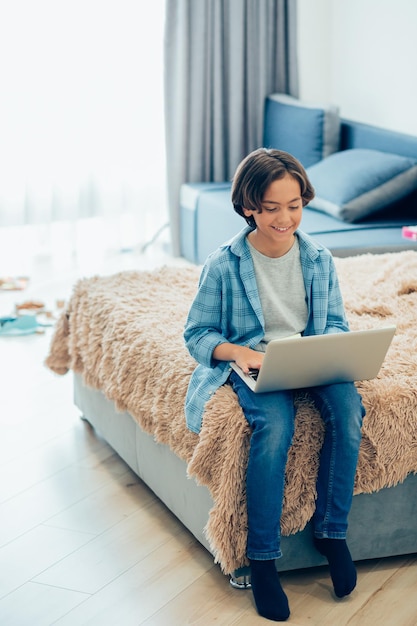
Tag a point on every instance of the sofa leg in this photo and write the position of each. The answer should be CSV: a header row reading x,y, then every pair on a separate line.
x,y
240,579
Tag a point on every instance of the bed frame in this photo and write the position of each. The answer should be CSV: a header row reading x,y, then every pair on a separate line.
x,y
166,475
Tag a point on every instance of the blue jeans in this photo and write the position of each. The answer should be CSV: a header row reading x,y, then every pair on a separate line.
x,y
271,418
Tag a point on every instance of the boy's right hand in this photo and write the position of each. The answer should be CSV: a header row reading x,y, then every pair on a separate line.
x,y
246,358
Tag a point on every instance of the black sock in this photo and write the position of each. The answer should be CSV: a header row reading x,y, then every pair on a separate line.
x,y
342,568
270,599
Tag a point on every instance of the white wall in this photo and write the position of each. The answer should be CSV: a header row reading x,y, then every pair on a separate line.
x,y
362,56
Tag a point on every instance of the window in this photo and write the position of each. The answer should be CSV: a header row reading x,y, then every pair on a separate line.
x,y
81,117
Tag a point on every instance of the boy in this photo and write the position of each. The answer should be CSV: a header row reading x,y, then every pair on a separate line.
x,y
271,280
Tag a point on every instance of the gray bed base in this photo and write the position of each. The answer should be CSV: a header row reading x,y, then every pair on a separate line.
x,y
381,524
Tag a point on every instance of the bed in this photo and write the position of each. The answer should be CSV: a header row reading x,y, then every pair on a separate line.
x,y
121,335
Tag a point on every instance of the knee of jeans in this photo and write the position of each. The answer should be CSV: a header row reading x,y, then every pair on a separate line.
x,y
276,436
349,428
356,402
358,412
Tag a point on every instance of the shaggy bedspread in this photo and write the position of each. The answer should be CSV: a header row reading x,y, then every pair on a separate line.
x,y
123,334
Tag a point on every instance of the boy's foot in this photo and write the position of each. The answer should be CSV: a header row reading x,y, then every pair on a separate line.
x,y
342,568
270,599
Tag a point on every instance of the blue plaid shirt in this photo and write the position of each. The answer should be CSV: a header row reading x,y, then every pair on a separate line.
x,y
227,308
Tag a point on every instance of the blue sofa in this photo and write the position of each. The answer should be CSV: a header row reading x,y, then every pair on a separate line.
x,y
365,180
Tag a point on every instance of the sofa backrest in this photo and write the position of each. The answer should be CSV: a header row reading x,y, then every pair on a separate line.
x,y
359,135
313,131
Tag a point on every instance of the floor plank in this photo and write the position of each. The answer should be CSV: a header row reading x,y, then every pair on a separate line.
x,y
113,552
141,591
37,605
35,551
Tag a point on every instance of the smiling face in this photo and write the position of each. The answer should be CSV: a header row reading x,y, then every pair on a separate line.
x,y
279,218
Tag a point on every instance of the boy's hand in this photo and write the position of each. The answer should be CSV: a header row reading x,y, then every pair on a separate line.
x,y
245,358
248,359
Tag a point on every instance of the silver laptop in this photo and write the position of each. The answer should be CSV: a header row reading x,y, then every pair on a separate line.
x,y
298,362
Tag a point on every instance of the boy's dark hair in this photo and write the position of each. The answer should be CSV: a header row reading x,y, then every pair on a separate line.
x,y
257,171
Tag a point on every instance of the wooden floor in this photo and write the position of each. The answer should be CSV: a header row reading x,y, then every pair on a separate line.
x,y
84,541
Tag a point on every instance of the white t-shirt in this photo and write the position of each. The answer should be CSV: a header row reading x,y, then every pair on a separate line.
x,y
282,293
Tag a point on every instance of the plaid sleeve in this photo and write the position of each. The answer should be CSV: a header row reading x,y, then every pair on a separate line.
x,y
202,332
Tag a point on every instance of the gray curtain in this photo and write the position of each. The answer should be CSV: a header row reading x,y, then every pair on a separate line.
x,y
222,58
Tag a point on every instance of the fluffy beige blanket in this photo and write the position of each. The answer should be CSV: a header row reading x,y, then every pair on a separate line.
x,y
123,334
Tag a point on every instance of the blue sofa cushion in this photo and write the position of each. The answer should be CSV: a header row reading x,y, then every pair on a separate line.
x,y
309,132
353,184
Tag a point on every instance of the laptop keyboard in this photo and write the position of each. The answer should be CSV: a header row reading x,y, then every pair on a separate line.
x,y
253,373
